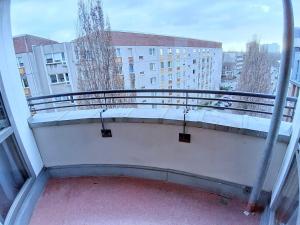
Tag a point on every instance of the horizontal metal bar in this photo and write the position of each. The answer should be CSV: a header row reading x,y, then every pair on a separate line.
x,y
158,97
166,104
232,93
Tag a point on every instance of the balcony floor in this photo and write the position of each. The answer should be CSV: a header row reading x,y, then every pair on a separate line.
x,y
129,201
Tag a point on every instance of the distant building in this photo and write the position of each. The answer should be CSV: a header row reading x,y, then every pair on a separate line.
x,y
273,48
232,64
295,76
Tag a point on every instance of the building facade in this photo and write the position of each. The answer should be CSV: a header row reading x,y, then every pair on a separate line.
x,y
163,62
295,76
145,62
232,64
26,61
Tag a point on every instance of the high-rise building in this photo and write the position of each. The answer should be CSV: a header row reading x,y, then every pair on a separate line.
x,y
272,48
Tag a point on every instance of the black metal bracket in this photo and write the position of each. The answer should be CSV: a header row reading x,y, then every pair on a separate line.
x,y
105,132
184,137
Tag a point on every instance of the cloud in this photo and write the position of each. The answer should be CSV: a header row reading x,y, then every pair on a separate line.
x,y
232,22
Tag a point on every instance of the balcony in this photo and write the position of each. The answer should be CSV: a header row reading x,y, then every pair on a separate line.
x,y
144,160
117,158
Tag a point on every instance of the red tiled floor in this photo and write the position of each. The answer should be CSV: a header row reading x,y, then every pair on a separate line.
x,y
130,201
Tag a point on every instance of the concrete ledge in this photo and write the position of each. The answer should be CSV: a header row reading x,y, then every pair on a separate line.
x,y
215,120
224,188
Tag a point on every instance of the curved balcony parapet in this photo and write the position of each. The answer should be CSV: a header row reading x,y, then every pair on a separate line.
x,y
208,119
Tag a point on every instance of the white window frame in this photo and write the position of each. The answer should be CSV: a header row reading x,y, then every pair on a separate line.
x,y
57,58
66,78
20,61
152,66
161,51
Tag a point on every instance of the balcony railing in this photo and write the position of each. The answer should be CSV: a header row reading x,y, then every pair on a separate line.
x,y
241,102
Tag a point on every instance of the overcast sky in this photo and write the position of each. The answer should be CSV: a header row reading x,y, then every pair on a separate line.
x,y
232,22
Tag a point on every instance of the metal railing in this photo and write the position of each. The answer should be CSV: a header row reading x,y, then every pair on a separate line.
x,y
242,102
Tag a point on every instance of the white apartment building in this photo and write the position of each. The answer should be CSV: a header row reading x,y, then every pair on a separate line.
x,y
145,61
163,62
45,66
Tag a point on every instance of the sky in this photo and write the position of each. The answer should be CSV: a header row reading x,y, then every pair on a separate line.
x,y
232,22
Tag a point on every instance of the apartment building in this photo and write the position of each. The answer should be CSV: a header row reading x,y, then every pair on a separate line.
x,y
56,66
295,76
232,64
145,62
271,48
162,62
45,66
26,61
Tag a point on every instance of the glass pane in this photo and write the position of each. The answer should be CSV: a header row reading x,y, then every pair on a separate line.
x,y
61,77
3,117
12,174
53,78
57,57
289,198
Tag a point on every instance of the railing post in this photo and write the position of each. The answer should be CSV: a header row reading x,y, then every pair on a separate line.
x,y
282,88
186,100
105,100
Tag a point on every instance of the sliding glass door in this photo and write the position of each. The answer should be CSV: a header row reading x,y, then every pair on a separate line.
x,y
13,172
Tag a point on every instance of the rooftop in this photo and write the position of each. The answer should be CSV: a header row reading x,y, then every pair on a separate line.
x,y
120,38
23,43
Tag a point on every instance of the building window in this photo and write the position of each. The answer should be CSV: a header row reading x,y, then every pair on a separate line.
x,y
53,78
67,77
118,52
119,68
169,51
153,80
25,82
161,51
177,50
169,64
141,57
130,52
131,70
20,62
142,73
170,76
151,51
55,57
194,71
132,81
49,58
59,78
194,61
152,66
162,65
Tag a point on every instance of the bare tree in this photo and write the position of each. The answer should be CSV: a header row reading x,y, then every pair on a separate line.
x,y
97,68
255,76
